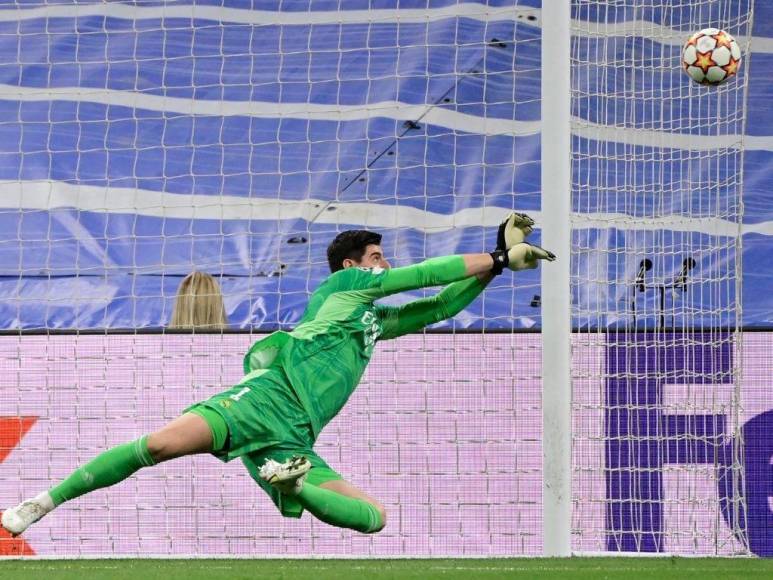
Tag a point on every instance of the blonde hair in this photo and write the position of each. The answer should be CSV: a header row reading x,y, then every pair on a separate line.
x,y
199,303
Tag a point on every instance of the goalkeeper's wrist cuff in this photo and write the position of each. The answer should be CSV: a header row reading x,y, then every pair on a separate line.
x,y
501,260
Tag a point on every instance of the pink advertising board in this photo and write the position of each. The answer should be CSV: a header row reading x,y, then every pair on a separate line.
x,y
444,429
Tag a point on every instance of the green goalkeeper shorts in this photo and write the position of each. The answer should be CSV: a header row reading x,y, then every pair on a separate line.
x,y
264,420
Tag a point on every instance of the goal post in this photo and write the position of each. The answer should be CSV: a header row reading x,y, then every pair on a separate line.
x,y
556,315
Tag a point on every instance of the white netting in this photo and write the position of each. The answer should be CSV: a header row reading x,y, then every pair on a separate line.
x,y
144,140
140,141
657,202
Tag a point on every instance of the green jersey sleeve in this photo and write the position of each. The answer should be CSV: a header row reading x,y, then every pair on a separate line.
x,y
365,285
415,315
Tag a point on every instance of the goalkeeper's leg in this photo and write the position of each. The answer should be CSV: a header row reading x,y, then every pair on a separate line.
x,y
323,494
186,435
341,504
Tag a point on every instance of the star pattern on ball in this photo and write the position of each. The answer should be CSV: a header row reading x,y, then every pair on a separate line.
x,y
693,41
704,61
731,67
723,39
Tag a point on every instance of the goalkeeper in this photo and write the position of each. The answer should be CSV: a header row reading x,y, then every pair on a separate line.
x,y
297,382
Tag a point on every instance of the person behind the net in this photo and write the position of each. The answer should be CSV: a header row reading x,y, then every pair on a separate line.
x,y
199,304
296,382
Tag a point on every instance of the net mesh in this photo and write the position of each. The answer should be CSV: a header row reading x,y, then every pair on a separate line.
x,y
455,457
141,141
657,203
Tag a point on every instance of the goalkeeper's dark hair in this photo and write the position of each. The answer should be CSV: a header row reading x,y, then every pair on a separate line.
x,y
350,244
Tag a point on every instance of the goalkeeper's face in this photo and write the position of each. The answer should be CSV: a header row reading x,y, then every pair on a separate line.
x,y
372,258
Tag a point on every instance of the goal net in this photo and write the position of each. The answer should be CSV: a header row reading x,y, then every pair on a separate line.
x,y
141,141
657,207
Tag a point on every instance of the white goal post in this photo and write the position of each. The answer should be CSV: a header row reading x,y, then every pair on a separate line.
x,y
556,316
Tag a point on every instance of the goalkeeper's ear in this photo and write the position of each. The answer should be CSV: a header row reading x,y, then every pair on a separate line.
x,y
514,230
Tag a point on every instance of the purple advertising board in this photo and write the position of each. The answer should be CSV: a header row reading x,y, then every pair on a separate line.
x,y
444,429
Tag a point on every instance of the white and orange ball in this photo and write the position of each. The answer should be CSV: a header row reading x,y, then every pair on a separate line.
x,y
711,56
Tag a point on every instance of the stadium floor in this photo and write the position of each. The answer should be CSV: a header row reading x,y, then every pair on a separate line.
x,y
590,568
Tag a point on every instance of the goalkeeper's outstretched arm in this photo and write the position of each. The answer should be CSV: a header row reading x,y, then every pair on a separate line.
x,y
415,315
511,251
426,274
442,271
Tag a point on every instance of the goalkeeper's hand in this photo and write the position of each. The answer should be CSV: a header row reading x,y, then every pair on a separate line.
x,y
514,230
526,257
512,251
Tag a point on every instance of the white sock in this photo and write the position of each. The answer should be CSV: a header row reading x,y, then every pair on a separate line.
x,y
44,499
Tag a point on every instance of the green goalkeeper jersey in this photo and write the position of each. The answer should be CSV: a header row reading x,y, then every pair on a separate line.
x,y
326,355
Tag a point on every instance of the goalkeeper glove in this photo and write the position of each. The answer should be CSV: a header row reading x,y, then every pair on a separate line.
x,y
514,230
520,257
526,257
512,252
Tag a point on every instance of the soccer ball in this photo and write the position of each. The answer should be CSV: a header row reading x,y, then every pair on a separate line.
x,y
711,56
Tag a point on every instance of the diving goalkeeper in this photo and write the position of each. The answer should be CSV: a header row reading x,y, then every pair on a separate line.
x,y
296,382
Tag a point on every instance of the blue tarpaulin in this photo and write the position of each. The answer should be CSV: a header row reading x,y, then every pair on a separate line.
x,y
138,146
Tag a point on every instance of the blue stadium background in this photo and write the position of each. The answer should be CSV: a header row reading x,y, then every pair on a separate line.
x,y
70,265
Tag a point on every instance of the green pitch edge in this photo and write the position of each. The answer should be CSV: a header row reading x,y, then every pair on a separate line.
x,y
467,569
